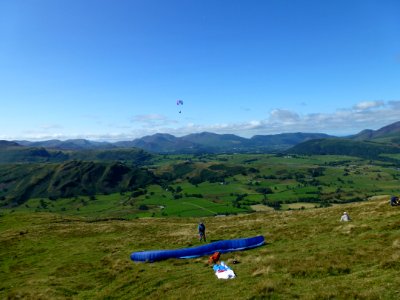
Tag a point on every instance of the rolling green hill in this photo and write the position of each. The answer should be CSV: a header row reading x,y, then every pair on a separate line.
x,y
21,154
309,254
19,182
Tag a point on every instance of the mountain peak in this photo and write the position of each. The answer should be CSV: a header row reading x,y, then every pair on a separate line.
x,y
368,134
389,129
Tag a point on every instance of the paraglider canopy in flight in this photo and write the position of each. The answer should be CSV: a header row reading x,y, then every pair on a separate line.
x,y
179,102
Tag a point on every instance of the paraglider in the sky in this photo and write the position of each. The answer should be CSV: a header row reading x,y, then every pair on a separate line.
x,y
179,102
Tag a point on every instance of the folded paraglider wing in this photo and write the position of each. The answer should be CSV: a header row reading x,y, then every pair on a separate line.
x,y
223,246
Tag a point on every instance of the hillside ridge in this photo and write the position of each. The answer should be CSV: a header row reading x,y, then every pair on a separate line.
x,y
309,254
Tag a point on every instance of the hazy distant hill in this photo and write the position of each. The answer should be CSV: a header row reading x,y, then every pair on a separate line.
x,y
7,144
73,144
284,140
204,142
167,143
207,142
367,144
386,134
160,143
218,142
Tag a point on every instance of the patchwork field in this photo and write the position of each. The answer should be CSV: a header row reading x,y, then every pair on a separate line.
x,y
209,185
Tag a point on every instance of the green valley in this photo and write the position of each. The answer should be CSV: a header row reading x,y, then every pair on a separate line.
x,y
190,185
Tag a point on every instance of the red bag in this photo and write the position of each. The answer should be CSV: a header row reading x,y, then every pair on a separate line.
x,y
214,258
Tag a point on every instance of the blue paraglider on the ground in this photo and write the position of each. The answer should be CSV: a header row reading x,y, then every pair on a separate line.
x,y
223,246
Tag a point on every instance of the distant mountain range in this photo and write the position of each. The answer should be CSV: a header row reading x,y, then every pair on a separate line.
x,y
74,144
207,142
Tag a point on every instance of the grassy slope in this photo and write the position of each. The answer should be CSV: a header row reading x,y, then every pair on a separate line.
x,y
309,255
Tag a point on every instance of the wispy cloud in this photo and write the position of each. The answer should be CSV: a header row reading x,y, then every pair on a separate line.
x,y
368,105
363,115
48,127
283,116
345,121
152,120
43,131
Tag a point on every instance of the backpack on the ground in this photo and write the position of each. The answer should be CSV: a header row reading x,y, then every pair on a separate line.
x,y
214,258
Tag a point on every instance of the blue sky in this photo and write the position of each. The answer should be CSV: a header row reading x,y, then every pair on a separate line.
x,y
113,70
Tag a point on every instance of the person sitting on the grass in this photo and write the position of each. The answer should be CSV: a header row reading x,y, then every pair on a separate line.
x,y
345,217
394,201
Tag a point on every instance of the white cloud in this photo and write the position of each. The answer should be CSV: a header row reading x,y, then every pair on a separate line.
x,y
284,116
365,105
50,127
152,120
364,115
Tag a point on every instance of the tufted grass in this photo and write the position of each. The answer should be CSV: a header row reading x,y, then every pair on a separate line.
x,y
309,255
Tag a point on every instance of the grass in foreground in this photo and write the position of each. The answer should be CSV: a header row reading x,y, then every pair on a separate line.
x,y
309,255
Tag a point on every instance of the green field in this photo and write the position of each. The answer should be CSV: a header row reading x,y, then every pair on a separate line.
x,y
209,185
309,254
78,247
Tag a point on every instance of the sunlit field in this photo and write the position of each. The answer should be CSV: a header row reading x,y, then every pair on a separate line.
x,y
213,185
309,254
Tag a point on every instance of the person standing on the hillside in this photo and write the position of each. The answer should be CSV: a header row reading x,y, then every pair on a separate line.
x,y
345,217
202,231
